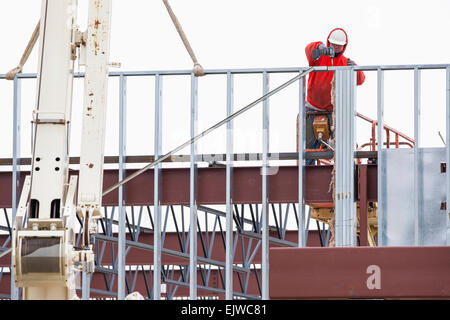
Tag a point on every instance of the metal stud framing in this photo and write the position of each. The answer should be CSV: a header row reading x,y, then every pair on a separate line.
x,y
417,182
122,213
157,190
244,271
265,190
345,208
229,196
301,146
381,174
193,193
16,167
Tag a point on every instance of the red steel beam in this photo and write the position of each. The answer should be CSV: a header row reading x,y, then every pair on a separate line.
x,y
363,206
377,272
283,186
335,273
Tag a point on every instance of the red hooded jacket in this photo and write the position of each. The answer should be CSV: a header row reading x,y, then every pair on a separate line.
x,y
319,83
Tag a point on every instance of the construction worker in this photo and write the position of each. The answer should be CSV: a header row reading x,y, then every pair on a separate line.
x,y
319,83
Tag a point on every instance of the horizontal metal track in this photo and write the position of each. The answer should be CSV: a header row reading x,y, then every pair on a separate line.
x,y
105,270
170,252
5,296
207,157
223,214
103,292
4,228
4,252
217,290
200,208
253,70
134,226
254,235
173,282
167,281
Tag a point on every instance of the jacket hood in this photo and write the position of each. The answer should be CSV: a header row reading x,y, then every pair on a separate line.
x,y
346,37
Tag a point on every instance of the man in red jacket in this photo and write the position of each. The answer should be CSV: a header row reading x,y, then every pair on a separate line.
x,y
319,83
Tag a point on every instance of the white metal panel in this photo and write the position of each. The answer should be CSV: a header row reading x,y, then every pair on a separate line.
x,y
401,224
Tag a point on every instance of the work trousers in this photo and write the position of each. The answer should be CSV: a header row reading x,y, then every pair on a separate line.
x,y
311,141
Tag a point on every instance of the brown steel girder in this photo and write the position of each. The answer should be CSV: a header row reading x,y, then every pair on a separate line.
x,y
360,273
283,186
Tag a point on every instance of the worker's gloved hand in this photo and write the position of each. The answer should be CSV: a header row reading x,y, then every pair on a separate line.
x,y
322,50
351,62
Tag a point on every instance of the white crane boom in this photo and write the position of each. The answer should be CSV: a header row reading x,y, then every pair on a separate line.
x,y
45,260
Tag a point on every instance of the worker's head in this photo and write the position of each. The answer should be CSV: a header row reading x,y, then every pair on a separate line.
x,y
338,39
337,47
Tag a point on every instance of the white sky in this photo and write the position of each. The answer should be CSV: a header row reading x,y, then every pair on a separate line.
x,y
245,34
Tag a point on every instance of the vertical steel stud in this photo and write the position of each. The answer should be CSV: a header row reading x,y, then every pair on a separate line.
x,y
15,168
229,194
122,209
381,172
193,193
157,191
417,182
302,233
265,194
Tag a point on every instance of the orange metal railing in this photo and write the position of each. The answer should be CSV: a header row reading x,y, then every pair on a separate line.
x,y
409,141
